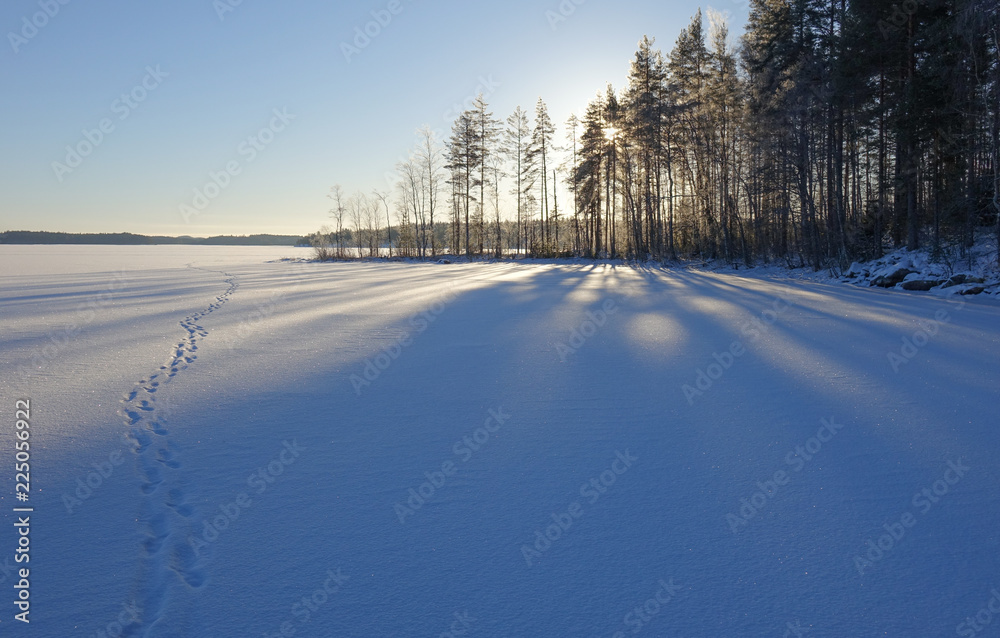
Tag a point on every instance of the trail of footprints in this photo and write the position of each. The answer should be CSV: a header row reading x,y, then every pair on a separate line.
x,y
166,513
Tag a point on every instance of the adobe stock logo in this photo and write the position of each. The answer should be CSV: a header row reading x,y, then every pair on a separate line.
x,y
123,106
768,488
222,7
914,343
753,331
975,624
30,27
249,150
587,329
566,8
644,613
363,35
463,449
898,527
563,519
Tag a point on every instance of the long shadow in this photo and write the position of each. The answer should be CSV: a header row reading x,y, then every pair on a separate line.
x,y
495,346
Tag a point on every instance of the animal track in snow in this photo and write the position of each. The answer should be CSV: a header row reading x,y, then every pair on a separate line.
x,y
166,511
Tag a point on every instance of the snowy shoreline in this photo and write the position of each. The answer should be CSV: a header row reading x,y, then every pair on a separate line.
x,y
977,274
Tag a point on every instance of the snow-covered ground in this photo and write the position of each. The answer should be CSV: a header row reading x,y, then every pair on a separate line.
x,y
975,274
952,273
227,445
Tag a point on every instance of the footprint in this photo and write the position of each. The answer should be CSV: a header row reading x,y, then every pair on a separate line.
x,y
160,532
166,457
195,579
153,544
175,501
157,428
149,488
151,477
141,440
185,563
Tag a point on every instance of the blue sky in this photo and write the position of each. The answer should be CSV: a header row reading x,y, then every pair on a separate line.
x,y
156,97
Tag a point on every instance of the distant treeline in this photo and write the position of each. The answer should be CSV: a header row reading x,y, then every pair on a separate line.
x,y
130,239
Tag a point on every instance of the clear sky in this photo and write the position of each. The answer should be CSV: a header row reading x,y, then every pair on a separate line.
x,y
155,97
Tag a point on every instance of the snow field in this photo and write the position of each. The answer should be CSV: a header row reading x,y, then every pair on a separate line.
x,y
504,389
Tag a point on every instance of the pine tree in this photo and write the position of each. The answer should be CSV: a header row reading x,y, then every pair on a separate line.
x,y
572,126
517,139
587,182
722,91
689,67
541,146
486,137
645,104
464,160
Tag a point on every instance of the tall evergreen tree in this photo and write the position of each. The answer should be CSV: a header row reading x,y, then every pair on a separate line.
x,y
464,160
645,104
517,143
572,132
587,176
541,146
486,137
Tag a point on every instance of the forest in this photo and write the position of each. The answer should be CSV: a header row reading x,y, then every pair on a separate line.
x,y
831,131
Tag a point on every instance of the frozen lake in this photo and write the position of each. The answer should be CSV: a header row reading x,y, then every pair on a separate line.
x,y
222,446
